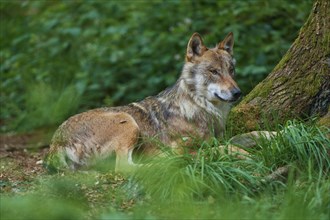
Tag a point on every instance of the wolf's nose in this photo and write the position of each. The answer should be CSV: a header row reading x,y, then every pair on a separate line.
x,y
236,93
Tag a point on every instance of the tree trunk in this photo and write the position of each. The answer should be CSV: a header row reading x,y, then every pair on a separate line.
x,y
299,86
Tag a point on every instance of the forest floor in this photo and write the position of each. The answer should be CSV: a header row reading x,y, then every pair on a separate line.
x,y
22,174
19,163
103,194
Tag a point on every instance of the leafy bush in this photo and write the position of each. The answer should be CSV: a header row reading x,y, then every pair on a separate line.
x,y
114,53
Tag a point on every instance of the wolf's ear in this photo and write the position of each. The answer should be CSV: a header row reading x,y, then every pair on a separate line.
x,y
227,44
195,47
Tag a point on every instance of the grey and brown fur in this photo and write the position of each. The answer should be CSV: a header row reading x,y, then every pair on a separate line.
x,y
196,105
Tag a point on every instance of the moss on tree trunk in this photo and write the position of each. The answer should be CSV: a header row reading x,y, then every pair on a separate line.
x,y
299,86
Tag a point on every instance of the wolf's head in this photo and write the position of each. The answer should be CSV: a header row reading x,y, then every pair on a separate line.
x,y
209,72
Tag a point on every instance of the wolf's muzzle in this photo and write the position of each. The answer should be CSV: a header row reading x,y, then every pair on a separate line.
x,y
236,93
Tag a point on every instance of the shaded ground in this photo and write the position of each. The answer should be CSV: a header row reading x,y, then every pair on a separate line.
x,y
21,165
20,161
25,186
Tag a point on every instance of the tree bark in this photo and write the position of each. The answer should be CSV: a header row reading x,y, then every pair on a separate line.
x,y
299,86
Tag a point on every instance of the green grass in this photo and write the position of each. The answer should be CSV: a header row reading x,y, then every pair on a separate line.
x,y
182,177
206,185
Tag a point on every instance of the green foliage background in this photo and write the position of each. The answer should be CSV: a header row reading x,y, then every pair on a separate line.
x,y
63,57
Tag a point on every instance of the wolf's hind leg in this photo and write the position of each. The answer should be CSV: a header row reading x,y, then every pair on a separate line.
x,y
125,137
122,161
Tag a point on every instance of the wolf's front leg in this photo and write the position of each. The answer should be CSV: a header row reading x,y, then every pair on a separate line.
x,y
251,139
246,140
124,161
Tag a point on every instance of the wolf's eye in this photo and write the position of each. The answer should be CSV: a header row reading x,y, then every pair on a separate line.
x,y
214,72
232,70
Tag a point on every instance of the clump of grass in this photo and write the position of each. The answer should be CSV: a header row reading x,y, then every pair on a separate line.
x,y
213,172
307,146
208,172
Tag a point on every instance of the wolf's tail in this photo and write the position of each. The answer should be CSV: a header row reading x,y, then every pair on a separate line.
x,y
56,160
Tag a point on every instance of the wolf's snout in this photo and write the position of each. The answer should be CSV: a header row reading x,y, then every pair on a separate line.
x,y
236,93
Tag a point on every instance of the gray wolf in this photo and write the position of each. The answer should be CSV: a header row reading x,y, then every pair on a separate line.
x,y
197,105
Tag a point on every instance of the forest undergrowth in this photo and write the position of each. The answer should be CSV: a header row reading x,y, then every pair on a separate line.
x,y
207,184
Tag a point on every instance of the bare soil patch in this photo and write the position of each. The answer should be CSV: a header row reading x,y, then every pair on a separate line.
x,y
20,161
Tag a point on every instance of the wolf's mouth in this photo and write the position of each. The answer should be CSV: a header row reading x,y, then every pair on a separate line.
x,y
229,101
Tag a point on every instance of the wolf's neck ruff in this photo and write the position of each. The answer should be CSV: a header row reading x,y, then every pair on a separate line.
x,y
185,96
